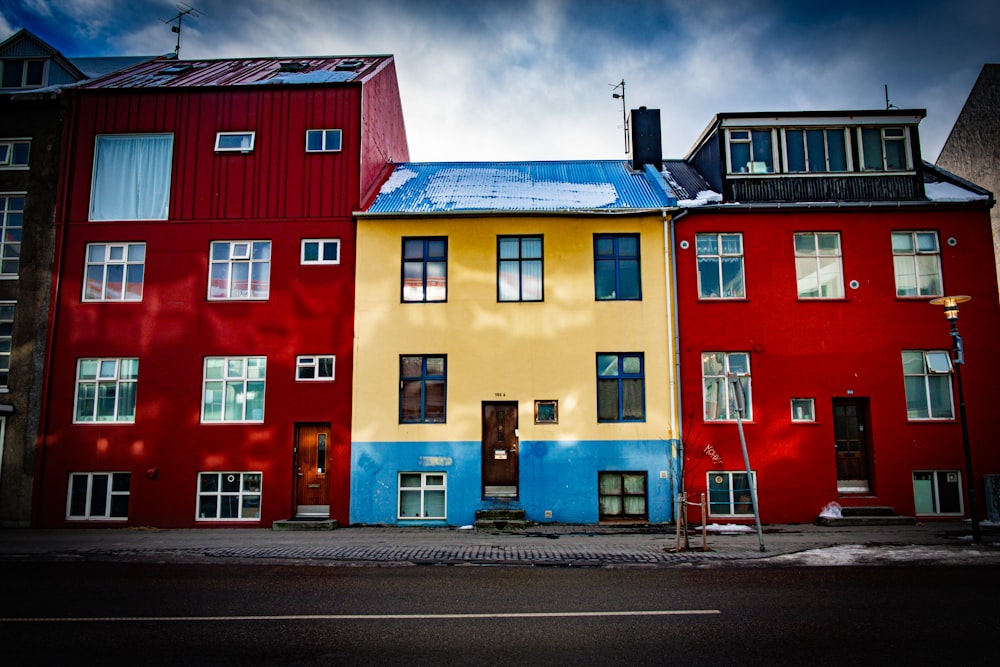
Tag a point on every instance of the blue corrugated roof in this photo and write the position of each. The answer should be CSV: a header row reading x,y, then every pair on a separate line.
x,y
581,185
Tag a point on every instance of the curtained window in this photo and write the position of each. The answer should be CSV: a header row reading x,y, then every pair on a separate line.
x,y
131,177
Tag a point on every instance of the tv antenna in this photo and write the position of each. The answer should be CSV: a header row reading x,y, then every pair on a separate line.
x,y
182,11
887,105
621,96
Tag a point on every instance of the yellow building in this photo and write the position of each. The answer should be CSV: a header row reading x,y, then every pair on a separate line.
x,y
514,345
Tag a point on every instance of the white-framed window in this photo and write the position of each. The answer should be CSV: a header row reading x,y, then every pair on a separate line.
x,y
234,142
751,151
816,150
320,251
323,141
229,496
423,495
11,224
233,389
239,270
114,271
720,266
803,409
719,393
927,381
6,341
315,367
729,493
105,390
14,153
885,149
131,177
916,261
24,72
101,496
937,492
819,270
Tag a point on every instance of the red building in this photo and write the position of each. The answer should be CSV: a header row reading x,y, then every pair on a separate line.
x,y
805,268
202,314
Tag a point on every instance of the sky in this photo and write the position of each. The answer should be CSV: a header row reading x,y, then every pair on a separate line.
x,y
509,80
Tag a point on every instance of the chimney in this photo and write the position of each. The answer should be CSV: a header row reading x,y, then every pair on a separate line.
x,y
647,148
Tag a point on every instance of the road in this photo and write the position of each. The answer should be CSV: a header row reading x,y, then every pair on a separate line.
x,y
287,614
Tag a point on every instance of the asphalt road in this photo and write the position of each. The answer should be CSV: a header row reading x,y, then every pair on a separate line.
x,y
85,613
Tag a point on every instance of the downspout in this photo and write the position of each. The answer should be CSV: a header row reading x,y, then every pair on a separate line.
x,y
674,324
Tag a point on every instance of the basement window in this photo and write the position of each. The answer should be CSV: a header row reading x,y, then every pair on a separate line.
x,y
234,142
423,495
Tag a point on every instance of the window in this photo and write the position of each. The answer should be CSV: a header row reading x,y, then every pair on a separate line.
x,y
720,266
616,267
721,395
620,387
113,272
98,495
622,495
11,220
316,367
425,269
320,251
234,389
14,153
239,270
323,141
546,412
6,342
818,269
131,177
803,410
229,496
816,150
234,142
422,495
927,380
519,268
105,390
937,492
916,260
884,149
422,389
751,152
729,494
22,73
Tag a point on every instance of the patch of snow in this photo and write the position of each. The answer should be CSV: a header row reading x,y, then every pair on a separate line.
x,y
950,192
832,511
508,189
397,179
466,527
856,554
315,76
728,529
702,198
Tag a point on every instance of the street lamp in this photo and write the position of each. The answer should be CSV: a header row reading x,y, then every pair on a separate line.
x,y
950,304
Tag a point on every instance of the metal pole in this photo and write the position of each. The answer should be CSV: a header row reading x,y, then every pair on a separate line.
x,y
959,359
740,404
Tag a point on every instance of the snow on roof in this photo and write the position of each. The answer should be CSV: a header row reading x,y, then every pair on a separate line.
x,y
949,192
516,186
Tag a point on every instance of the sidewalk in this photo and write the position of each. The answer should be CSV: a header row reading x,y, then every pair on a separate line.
x,y
540,545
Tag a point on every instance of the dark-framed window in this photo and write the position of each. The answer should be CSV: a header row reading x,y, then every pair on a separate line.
x,y
519,268
423,381
621,387
616,267
425,270
622,495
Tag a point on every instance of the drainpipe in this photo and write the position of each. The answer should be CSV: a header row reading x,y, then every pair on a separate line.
x,y
673,323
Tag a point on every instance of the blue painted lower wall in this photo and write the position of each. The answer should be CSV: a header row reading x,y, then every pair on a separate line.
x,y
555,476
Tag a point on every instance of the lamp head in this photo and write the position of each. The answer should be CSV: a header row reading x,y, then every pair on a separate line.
x,y
950,304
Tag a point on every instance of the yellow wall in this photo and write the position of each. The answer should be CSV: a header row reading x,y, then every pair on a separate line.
x,y
509,351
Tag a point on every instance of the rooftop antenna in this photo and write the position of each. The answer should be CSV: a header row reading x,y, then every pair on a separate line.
x,y
887,105
621,96
182,11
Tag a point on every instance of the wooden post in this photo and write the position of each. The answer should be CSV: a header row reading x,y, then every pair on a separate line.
x,y
704,524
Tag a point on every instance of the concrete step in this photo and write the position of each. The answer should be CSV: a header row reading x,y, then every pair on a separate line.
x,y
874,510
304,524
500,519
896,520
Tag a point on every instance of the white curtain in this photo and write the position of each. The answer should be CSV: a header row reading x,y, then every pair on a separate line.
x,y
131,177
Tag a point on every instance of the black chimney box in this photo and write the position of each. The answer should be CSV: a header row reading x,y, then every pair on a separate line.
x,y
647,148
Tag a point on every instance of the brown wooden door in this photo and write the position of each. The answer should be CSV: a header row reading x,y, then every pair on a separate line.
x,y
312,490
500,470
850,428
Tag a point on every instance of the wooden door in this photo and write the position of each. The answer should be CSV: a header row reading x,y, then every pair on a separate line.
x,y
312,460
500,469
850,428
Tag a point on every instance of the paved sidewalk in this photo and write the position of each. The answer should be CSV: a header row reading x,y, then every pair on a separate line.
x,y
539,545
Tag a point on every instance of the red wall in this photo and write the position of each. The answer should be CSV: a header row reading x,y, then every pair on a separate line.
x,y
278,193
841,348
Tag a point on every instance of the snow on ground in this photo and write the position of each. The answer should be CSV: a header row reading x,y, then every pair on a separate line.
x,y
859,554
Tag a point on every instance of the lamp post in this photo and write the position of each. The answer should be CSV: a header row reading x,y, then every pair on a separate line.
x,y
950,304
